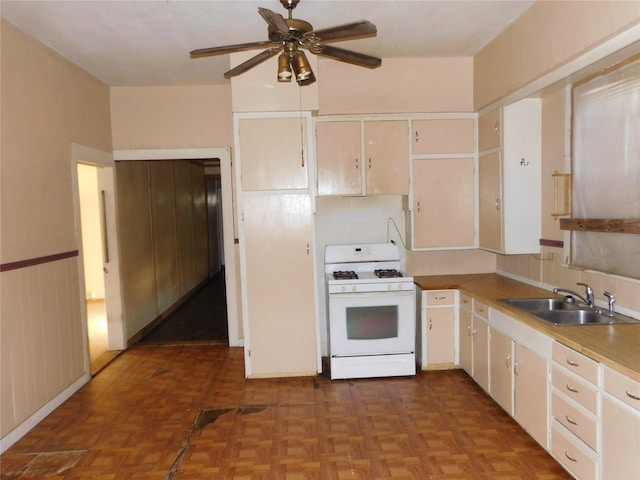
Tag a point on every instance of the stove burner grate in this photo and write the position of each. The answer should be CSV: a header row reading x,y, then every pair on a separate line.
x,y
345,275
387,273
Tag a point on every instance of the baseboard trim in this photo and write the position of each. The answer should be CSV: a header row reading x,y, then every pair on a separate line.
x,y
21,430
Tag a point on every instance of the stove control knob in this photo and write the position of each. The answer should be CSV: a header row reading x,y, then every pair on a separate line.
x,y
344,289
354,288
389,287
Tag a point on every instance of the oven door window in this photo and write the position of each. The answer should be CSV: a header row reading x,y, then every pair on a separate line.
x,y
372,323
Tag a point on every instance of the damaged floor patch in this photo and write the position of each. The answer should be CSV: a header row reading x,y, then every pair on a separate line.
x,y
47,464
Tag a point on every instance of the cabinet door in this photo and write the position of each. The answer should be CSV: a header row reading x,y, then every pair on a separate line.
x,y
620,440
387,156
489,130
481,353
273,153
281,314
490,201
440,335
339,158
466,332
531,393
443,202
442,136
501,366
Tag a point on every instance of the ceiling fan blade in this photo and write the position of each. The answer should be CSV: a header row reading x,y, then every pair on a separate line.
x,y
253,61
348,31
275,20
348,56
240,47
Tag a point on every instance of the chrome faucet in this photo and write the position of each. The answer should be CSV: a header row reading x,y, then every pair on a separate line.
x,y
572,293
612,303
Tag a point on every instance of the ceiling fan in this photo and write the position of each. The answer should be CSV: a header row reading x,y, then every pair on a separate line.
x,y
288,38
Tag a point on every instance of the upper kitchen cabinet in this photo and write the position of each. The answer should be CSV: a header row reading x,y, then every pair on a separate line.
x,y
362,157
273,153
441,213
510,178
438,136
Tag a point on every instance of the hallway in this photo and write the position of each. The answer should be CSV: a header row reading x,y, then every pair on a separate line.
x,y
187,412
200,319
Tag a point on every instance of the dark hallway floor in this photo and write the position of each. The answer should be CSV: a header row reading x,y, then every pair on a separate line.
x,y
202,318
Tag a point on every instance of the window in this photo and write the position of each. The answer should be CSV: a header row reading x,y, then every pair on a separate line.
x,y
606,171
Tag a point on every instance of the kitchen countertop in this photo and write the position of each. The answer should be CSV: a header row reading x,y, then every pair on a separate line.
x,y
617,346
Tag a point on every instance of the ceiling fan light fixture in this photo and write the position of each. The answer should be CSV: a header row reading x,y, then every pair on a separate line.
x,y
284,68
301,67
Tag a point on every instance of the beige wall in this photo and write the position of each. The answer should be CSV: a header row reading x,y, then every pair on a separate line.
x,y
400,85
546,36
47,103
171,117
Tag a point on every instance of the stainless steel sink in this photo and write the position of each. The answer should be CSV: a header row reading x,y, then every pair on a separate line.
x,y
532,304
574,317
560,312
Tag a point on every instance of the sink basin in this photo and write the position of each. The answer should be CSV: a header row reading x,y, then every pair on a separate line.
x,y
574,317
534,304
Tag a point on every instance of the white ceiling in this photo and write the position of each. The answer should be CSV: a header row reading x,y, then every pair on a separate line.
x,y
147,42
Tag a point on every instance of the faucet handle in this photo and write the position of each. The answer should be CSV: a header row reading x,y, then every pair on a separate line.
x,y
589,290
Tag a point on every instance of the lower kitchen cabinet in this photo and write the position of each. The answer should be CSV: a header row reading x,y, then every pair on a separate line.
x,y
466,334
480,348
620,426
280,316
501,369
531,404
437,329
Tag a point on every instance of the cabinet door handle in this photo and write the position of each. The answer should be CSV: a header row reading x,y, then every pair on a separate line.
x,y
566,454
356,163
496,128
417,137
570,420
515,368
507,361
497,204
572,363
572,389
631,395
419,207
430,324
369,163
308,249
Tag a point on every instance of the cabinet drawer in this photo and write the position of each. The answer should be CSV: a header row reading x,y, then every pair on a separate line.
x,y
575,362
579,390
480,308
622,387
581,425
441,297
465,301
573,457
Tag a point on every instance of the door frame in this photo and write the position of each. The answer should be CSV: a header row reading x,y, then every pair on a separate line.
x,y
81,154
224,155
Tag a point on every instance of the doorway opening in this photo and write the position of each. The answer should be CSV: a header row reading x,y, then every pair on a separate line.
x,y
103,324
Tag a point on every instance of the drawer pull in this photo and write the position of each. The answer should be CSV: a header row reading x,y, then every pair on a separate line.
x,y
631,395
570,420
566,454
572,363
441,298
571,389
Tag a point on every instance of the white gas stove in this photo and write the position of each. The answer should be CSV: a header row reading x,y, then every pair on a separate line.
x,y
372,311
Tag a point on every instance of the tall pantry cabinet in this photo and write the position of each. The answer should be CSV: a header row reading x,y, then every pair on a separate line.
x,y
276,244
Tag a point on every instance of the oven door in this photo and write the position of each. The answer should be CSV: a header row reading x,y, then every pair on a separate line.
x,y
373,323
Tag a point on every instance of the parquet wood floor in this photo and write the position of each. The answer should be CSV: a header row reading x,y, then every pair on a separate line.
x,y
187,412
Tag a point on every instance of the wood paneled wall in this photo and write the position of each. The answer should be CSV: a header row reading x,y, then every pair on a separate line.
x,y
163,236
